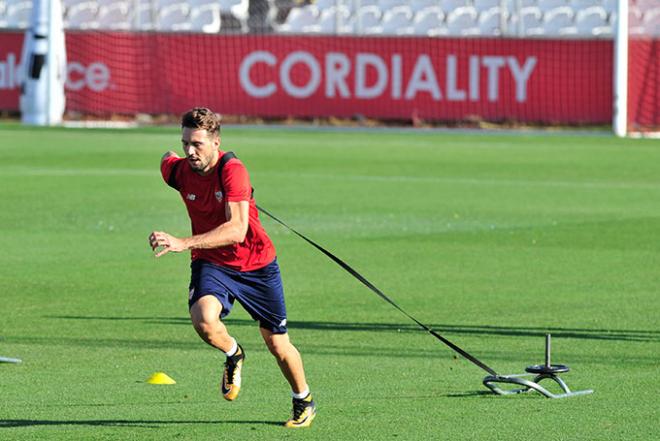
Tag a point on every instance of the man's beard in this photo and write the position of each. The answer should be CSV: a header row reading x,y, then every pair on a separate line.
x,y
198,165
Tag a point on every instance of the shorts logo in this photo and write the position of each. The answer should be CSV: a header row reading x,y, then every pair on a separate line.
x,y
191,197
191,293
218,195
283,323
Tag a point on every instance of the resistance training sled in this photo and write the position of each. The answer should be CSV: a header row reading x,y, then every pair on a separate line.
x,y
539,372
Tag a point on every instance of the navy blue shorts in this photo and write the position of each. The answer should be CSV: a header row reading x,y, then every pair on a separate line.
x,y
259,292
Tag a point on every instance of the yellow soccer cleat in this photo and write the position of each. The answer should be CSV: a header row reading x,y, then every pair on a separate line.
x,y
304,411
231,378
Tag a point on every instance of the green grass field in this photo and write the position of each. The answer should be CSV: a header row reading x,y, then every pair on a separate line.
x,y
491,239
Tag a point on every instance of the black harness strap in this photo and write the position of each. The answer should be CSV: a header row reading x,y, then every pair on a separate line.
x,y
171,181
225,159
221,165
230,155
382,295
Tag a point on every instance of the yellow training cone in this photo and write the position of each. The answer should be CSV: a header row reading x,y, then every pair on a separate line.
x,y
160,378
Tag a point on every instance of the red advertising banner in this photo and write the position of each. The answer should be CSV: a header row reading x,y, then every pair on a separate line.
x,y
643,84
11,45
527,80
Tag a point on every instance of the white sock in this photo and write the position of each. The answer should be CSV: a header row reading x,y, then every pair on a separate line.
x,y
233,349
301,395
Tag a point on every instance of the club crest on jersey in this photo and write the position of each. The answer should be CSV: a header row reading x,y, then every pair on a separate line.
x,y
191,197
218,195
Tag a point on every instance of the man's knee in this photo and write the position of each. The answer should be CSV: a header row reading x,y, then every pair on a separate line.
x,y
279,345
205,316
204,329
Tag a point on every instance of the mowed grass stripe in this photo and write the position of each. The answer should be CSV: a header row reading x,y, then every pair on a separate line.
x,y
19,171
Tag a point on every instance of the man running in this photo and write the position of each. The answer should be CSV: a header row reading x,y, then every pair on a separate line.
x,y
232,257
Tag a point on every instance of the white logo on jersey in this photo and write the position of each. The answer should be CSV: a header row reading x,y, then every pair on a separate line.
x,y
191,197
218,195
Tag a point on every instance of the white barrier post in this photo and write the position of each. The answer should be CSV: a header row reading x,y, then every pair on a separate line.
x,y
620,119
43,66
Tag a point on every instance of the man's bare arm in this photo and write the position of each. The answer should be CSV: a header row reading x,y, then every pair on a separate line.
x,y
230,233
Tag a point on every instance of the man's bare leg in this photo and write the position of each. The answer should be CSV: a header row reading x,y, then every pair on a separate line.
x,y
288,358
291,365
205,316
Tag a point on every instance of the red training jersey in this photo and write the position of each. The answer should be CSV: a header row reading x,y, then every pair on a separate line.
x,y
205,202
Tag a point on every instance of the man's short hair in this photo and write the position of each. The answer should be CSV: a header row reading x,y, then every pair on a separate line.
x,y
202,118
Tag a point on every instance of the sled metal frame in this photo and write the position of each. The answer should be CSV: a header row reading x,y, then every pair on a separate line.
x,y
540,373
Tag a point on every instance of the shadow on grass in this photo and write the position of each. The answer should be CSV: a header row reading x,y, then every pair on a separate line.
x,y
480,393
123,423
479,330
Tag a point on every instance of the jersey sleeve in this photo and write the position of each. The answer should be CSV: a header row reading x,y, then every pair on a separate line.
x,y
166,167
236,182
